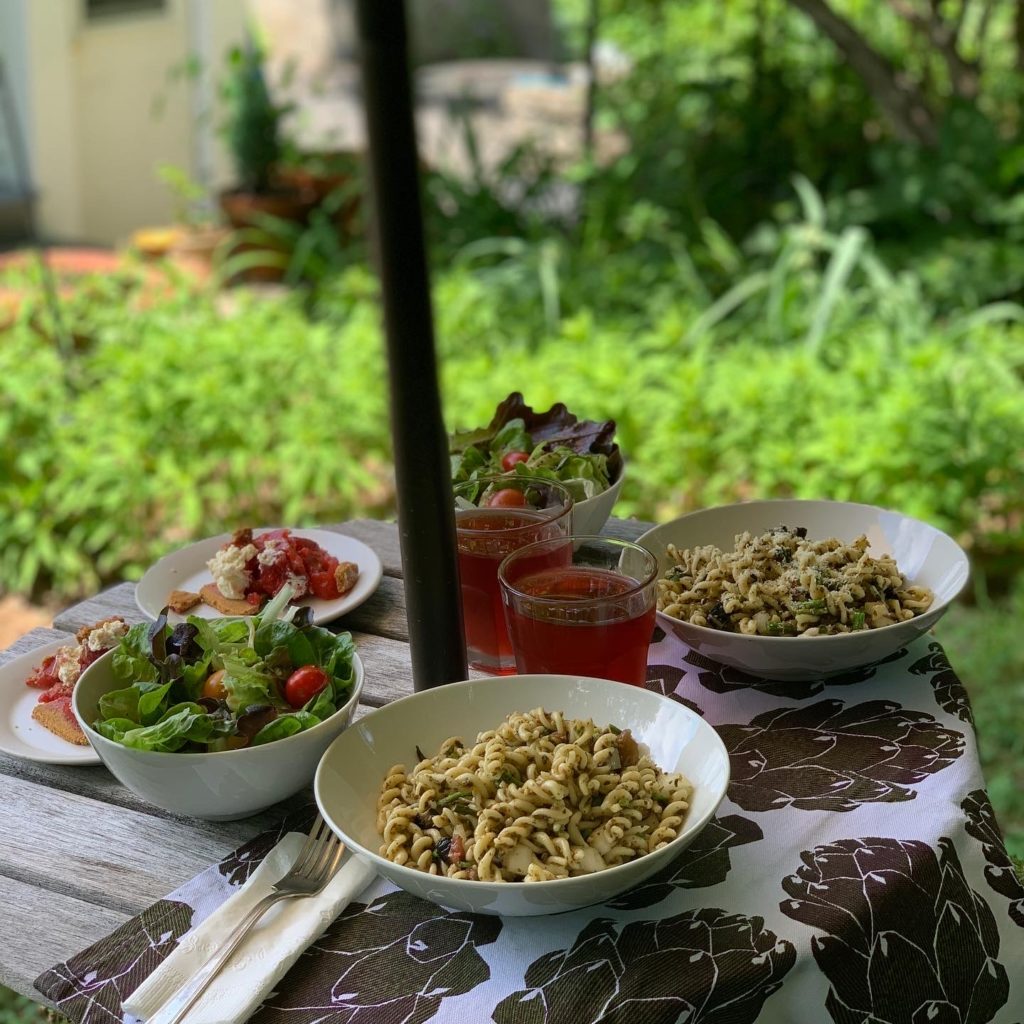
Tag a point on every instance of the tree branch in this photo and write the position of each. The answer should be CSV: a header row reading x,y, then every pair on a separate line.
x,y
903,104
1018,33
590,100
983,23
942,37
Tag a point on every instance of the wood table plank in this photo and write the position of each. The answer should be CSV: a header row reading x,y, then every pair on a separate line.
x,y
30,641
97,853
40,928
382,613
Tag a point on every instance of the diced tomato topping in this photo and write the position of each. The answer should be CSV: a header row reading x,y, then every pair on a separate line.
x,y
45,676
323,584
55,692
300,557
457,851
86,656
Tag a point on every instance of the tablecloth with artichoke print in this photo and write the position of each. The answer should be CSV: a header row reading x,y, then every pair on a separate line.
x,y
854,874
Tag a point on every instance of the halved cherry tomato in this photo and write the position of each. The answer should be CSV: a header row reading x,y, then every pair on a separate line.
x,y
512,459
214,686
304,684
508,497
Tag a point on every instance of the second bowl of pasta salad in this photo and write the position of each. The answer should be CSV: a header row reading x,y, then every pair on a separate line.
x,y
802,589
523,796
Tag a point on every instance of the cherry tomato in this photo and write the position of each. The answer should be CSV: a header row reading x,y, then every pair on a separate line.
x,y
304,684
511,459
214,686
508,497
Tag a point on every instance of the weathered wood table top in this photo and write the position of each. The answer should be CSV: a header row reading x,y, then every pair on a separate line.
x,y
80,854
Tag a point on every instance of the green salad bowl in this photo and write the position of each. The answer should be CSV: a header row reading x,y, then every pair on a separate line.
x,y
217,786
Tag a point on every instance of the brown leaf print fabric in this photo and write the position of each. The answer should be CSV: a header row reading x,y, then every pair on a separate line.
x,y
872,930
90,987
907,941
949,691
702,967
391,962
705,862
831,757
1000,873
241,863
664,679
724,679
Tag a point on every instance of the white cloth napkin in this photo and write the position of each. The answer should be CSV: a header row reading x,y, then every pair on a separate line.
x,y
270,948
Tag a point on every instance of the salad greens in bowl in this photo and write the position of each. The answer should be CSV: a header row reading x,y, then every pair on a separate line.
x,y
219,718
556,445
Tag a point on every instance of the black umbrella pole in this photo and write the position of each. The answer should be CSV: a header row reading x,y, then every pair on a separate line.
x,y
426,521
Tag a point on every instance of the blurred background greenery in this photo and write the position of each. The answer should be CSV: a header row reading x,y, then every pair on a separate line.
x,y
800,276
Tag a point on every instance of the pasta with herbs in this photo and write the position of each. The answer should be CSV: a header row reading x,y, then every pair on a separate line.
x,y
540,797
782,584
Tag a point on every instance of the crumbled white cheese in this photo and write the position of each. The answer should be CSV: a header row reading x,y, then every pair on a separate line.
x,y
107,635
300,583
68,668
228,570
272,553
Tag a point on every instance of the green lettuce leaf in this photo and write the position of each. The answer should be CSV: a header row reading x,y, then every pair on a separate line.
x,y
132,656
247,684
285,725
184,723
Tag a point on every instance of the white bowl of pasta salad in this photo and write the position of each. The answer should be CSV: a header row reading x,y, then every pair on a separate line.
x,y
523,795
802,589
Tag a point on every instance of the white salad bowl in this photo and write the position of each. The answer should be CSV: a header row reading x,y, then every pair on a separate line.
x,y
350,775
589,516
217,786
925,555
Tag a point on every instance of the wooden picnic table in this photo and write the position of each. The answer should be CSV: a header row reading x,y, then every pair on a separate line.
x,y
80,854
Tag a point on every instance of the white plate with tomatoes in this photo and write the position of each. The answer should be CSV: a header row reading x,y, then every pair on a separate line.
x,y
20,734
186,570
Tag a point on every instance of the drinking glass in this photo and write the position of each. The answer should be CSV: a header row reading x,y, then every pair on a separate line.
x,y
494,516
591,614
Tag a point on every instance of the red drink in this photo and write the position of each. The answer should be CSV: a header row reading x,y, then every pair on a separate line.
x,y
584,618
485,537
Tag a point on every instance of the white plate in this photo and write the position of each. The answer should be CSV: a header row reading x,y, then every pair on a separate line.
x,y
185,569
19,734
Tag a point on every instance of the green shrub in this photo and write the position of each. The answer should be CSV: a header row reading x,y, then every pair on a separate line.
x,y
174,420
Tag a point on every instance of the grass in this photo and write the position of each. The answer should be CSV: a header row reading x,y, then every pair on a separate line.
x,y
985,645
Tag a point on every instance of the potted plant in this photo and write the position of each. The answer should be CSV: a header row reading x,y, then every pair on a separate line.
x,y
333,179
253,133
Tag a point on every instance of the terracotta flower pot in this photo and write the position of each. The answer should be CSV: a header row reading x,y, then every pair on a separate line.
x,y
244,212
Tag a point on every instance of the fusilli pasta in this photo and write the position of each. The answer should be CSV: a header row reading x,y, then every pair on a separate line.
x,y
541,797
782,584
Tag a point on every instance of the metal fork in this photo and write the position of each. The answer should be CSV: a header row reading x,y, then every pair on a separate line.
x,y
313,869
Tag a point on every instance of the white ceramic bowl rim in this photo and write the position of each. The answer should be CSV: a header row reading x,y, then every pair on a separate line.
x,y
803,640
176,755
693,824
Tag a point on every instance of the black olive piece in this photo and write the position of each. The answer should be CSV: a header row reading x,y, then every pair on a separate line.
x,y
442,846
801,532
717,617
303,617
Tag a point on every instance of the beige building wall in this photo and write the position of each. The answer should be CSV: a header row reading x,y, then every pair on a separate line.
x,y
107,109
